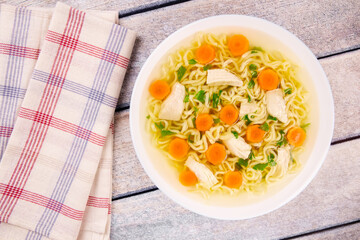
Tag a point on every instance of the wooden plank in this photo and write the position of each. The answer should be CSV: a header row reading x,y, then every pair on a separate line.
x,y
124,6
332,198
345,232
325,26
343,73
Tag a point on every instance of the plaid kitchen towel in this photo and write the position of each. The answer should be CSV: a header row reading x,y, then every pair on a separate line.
x,y
51,156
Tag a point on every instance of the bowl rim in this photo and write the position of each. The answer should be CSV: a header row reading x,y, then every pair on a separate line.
x,y
257,209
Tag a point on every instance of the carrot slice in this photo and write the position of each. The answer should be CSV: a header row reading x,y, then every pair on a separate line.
x,y
238,45
233,179
268,79
216,153
188,178
178,148
296,136
205,54
204,122
159,89
229,114
254,134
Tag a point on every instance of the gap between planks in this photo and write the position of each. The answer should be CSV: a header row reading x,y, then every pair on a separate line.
x,y
322,230
149,7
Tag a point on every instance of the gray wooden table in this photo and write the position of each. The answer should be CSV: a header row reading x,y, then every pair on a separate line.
x,y
329,208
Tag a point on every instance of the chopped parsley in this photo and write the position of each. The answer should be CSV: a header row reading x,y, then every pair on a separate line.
x,y
192,61
247,119
242,162
271,160
258,49
190,138
216,99
272,118
249,98
200,96
304,126
260,166
195,109
216,120
163,131
186,99
253,51
254,74
236,135
207,67
251,155
252,67
282,140
148,116
251,84
180,72
193,121
288,91
265,127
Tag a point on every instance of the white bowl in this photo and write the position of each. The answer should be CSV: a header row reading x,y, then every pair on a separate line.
x,y
270,37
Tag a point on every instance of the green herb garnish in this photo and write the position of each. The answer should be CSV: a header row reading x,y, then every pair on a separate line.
x,y
236,135
265,127
180,72
258,49
148,116
162,130
251,155
252,67
242,162
207,67
216,120
247,120
159,126
166,133
288,91
271,160
200,96
186,99
195,109
260,166
304,126
192,61
251,84
254,74
193,121
215,99
253,51
190,138
272,118
249,98
282,140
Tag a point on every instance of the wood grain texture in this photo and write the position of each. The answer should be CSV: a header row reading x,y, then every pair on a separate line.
x,y
123,6
346,232
326,26
332,198
343,72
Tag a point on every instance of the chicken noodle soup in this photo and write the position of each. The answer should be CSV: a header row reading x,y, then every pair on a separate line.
x,y
230,116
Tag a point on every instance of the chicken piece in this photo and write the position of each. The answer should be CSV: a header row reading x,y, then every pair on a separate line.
x,y
216,77
201,171
247,108
173,106
283,159
275,104
238,147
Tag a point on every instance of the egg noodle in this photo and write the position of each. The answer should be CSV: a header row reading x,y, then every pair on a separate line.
x,y
194,80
